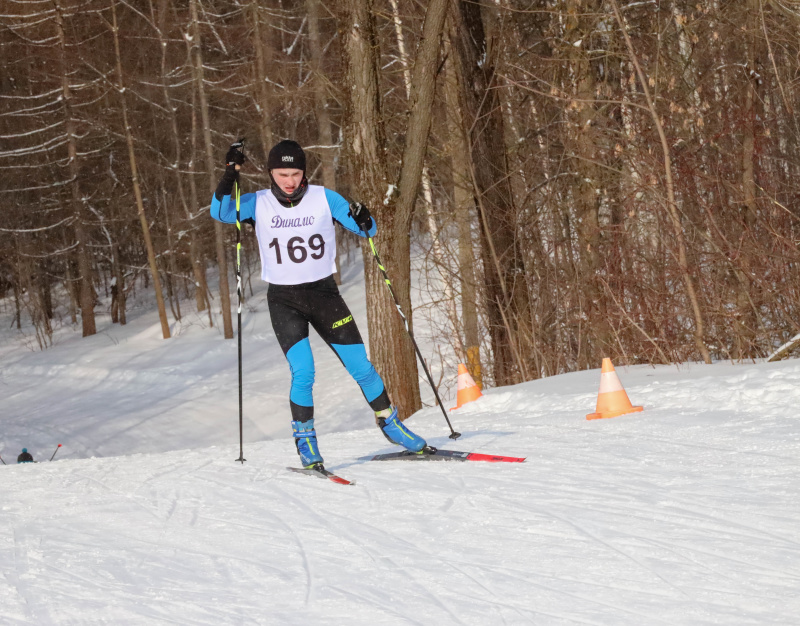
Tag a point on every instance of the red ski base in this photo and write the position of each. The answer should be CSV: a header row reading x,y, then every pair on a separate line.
x,y
493,458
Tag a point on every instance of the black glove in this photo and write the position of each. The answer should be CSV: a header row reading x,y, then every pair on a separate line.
x,y
361,215
234,157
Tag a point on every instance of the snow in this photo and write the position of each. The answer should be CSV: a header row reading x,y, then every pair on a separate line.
x,y
688,512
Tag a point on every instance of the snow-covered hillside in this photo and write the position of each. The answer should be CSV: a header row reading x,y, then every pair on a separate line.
x,y
686,513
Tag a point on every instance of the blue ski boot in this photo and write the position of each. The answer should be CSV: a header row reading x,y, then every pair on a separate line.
x,y
305,438
397,432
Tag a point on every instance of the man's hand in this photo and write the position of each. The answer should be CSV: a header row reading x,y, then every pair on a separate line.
x,y
235,158
361,215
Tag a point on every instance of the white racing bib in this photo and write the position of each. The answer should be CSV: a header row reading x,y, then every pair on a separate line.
x,y
297,244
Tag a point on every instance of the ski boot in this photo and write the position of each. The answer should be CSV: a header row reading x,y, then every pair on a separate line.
x,y
305,438
397,432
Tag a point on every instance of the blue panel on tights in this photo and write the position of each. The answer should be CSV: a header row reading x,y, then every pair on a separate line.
x,y
355,360
301,362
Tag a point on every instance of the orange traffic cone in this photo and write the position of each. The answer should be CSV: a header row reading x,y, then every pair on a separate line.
x,y
467,389
612,399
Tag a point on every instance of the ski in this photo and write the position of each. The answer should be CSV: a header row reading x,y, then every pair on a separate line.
x,y
321,472
433,454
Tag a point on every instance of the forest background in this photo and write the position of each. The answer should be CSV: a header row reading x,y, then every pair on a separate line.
x,y
580,179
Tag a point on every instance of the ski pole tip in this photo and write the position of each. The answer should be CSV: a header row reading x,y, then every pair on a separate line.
x,y
455,435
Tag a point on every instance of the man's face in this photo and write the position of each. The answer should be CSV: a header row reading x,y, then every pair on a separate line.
x,y
287,178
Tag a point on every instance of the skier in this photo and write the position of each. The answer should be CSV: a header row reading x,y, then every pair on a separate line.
x,y
25,457
294,224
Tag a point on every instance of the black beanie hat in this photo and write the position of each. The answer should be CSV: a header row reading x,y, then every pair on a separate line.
x,y
287,154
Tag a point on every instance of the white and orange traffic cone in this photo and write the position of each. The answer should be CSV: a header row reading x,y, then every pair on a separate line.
x,y
467,389
612,399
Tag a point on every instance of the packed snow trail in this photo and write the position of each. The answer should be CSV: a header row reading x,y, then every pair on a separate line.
x,y
686,513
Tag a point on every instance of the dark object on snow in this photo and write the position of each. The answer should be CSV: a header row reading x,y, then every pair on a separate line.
x,y
25,457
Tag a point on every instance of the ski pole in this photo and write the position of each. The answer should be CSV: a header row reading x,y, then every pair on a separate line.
x,y
453,433
54,453
241,458
4,463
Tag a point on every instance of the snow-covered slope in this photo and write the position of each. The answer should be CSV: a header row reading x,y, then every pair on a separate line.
x,y
686,513
127,390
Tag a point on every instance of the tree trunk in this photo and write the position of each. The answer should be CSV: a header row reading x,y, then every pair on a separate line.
x,y
137,192
746,321
87,296
198,268
464,209
224,288
324,132
585,191
390,347
262,92
172,269
17,321
433,226
69,284
506,291
119,281
45,286
194,201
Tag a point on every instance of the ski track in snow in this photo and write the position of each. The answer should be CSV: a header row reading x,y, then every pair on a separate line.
x,y
686,513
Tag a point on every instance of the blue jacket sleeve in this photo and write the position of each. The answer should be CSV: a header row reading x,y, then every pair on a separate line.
x,y
225,210
340,209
